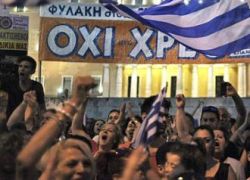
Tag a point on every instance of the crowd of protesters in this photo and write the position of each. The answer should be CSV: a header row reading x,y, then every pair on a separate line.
x,y
53,144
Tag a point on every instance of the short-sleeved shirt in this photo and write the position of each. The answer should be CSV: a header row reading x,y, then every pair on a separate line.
x,y
15,94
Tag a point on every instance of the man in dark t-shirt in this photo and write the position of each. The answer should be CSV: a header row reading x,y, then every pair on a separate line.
x,y
16,89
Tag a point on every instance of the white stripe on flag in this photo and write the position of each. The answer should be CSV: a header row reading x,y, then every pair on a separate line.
x,y
220,38
204,15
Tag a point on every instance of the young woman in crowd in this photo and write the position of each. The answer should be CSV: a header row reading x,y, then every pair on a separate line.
x,y
214,168
227,153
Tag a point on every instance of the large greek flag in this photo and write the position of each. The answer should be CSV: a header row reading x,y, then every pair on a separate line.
x,y
212,27
149,125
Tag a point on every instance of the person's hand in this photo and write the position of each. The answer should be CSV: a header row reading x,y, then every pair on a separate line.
x,y
137,158
30,99
180,101
230,90
123,108
82,85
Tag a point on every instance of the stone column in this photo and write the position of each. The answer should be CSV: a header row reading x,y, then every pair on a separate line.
x,y
210,87
226,73
148,81
163,76
133,89
242,80
106,83
179,88
118,85
195,81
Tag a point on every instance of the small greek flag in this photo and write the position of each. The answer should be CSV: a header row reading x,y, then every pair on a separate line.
x,y
149,125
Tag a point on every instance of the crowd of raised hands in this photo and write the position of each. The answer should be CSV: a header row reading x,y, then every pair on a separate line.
x,y
55,144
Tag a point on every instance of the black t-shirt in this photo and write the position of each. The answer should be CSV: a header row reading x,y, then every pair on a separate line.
x,y
15,94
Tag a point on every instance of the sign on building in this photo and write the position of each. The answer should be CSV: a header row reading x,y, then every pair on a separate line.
x,y
90,33
14,34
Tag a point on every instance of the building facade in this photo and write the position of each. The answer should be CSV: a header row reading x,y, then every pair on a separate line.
x,y
135,79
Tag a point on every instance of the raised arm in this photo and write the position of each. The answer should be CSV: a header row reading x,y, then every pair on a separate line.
x,y
44,138
237,137
181,122
78,118
240,107
18,114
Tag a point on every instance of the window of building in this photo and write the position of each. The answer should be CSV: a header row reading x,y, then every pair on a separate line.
x,y
218,81
20,8
98,90
173,86
67,82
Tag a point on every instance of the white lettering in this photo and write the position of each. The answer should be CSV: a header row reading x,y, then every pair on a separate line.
x,y
164,43
90,41
142,46
53,40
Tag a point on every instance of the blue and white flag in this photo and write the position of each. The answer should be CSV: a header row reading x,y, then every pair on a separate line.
x,y
149,125
212,27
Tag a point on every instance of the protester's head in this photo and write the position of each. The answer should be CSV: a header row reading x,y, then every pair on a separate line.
x,y
109,136
210,116
46,116
73,162
133,123
166,104
205,133
26,65
10,145
110,165
148,102
113,115
146,106
98,125
221,140
176,158
224,117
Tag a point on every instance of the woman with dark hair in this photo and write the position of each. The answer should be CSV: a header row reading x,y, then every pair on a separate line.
x,y
214,169
226,152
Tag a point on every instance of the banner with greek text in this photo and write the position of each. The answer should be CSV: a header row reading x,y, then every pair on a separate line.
x,y
14,34
67,35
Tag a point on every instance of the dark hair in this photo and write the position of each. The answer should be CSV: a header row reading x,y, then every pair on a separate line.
x,y
166,103
207,128
108,164
162,151
10,145
147,103
114,110
212,109
192,158
30,60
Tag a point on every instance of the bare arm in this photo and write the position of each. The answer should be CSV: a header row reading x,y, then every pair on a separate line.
x,y
231,174
181,122
44,138
17,115
237,135
240,107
